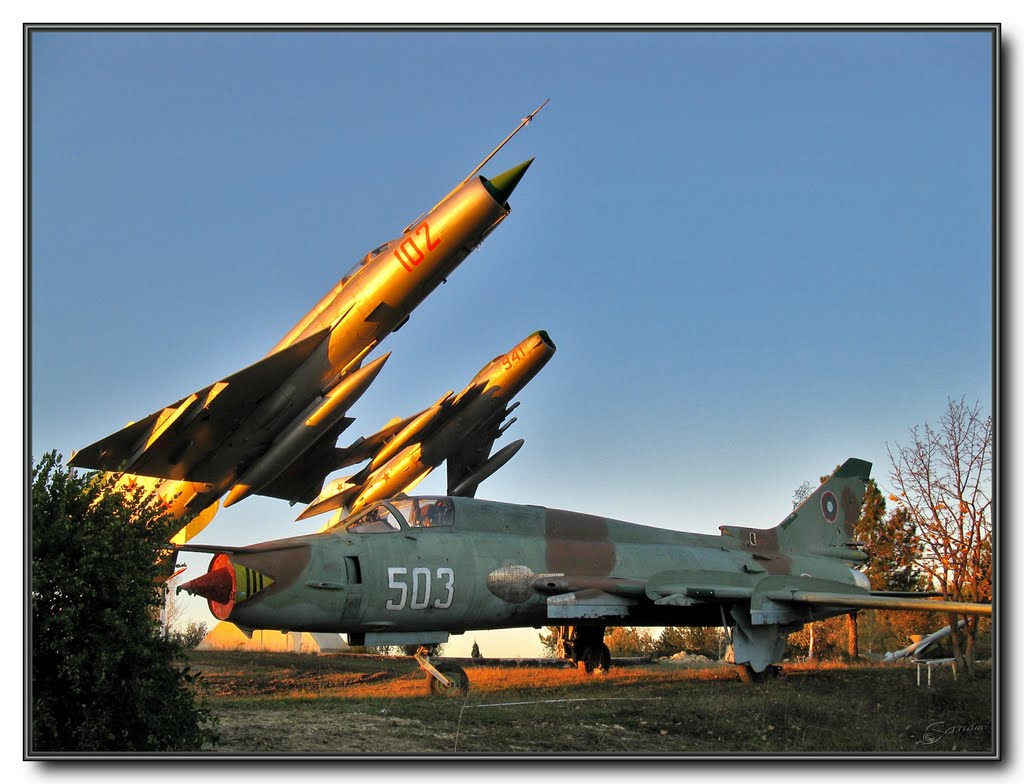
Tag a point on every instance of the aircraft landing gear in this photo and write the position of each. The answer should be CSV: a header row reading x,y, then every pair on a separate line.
x,y
584,646
754,648
595,658
447,679
749,675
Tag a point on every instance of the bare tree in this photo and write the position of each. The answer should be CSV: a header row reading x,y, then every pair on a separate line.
x,y
943,478
802,493
173,607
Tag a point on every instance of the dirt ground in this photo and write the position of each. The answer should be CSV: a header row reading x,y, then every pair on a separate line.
x,y
344,705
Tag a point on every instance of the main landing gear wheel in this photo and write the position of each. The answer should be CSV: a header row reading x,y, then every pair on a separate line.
x,y
455,674
594,657
748,675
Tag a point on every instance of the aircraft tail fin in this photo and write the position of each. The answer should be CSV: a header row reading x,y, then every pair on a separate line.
x,y
823,523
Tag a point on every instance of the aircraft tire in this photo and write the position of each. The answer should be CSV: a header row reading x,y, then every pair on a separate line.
x,y
748,675
583,661
595,658
454,673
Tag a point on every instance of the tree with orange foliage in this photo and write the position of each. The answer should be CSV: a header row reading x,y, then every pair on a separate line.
x,y
629,641
943,478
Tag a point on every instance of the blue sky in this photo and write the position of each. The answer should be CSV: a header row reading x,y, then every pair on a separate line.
x,y
758,253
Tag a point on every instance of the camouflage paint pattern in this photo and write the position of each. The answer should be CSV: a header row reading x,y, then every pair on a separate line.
x,y
505,565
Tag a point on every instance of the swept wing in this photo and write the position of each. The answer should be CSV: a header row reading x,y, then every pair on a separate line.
x,y
176,442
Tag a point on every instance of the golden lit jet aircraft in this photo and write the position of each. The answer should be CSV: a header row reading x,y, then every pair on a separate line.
x,y
271,428
460,429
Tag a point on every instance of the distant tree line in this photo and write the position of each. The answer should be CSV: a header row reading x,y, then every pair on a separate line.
x,y
634,641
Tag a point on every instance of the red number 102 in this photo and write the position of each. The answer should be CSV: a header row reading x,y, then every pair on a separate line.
x,y
408,252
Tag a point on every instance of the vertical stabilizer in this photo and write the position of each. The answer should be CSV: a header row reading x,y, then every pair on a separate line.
x,y
827,516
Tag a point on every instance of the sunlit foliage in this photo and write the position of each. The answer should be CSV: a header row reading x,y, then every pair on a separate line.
x,y
943,480
629,641
103,676
191,635
699,640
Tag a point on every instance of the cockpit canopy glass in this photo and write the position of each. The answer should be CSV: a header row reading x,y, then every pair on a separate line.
x,y
426,512
377,519
385,518
364,261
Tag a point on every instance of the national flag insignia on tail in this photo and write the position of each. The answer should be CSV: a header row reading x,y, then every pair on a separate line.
x,y
829,506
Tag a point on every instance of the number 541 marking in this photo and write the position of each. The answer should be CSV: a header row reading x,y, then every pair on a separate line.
x,y
418,595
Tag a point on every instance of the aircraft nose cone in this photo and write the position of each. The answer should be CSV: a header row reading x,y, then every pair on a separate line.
x,y
501,186
216,585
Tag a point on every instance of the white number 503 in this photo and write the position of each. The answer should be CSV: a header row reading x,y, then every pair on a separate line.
x,y
419,595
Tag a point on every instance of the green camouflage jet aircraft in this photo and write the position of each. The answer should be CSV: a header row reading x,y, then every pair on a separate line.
x,y
412,571
271,428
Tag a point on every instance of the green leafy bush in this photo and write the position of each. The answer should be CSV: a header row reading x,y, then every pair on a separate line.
x,y
104,679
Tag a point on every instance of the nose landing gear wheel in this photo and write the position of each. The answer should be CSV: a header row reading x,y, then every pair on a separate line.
x,y
594,658
455,674
747,674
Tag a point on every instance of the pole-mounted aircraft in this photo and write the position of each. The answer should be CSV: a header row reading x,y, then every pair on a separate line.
x,y
271,428
413,570
460,429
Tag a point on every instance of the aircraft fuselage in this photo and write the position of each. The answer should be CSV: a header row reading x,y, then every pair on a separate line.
x,y
360,311
496,566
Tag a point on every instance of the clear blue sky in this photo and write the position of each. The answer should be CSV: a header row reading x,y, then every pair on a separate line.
x,y
758,253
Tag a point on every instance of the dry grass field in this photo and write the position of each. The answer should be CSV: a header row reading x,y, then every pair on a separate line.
x,y
342,705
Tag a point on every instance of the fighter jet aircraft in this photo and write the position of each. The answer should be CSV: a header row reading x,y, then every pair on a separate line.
x,y
271,427
412,571
459,429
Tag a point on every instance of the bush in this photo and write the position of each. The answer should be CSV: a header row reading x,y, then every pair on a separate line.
x,y
103,677
191,636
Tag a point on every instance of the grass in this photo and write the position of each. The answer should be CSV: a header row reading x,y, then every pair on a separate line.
x,y
343,705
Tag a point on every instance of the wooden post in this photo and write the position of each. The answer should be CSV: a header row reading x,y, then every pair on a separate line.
x,y
851,625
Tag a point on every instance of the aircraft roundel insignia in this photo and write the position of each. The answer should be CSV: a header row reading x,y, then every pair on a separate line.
x,y
829,506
